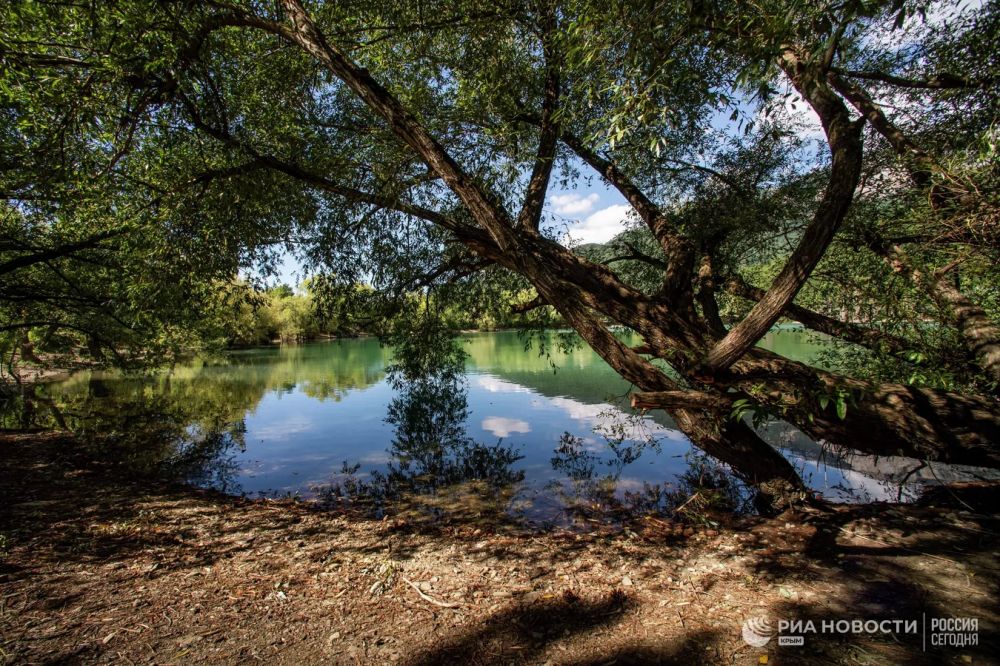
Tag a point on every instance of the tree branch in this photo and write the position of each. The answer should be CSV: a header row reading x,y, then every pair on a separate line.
x,y
706,297
58,251
721,177
979,333
635,254
685,399
939,81
531,211
461,266
678,250
533,304
327,185
850,332
304,33
844,138
921,165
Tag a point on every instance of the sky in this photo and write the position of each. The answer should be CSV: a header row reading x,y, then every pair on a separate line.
x,y
591,213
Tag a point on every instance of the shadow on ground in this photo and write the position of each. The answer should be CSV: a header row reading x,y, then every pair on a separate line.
x,y
96,567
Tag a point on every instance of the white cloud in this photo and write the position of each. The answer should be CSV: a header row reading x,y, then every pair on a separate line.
x,y
281,432
582,411
503,427
494,385
573,204
601,226
606,418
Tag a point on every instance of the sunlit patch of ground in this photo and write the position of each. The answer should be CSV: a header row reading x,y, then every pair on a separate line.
x,y
94,568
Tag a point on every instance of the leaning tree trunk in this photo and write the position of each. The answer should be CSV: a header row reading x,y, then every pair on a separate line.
x,y
881,418
754,461
709,428
844,138
932,425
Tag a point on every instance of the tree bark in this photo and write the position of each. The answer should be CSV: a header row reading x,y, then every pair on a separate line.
x,y
706,297
881,419
980,334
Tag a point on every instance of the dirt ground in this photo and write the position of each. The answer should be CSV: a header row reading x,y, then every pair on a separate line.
x,y
94,568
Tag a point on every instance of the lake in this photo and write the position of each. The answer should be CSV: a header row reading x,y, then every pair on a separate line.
x,y
544,438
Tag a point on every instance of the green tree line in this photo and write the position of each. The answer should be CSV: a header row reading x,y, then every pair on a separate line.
x,y
281,314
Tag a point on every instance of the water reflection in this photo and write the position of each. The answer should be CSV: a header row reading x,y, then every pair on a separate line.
x,y
434,468
146,427
436,471
499,434
593,491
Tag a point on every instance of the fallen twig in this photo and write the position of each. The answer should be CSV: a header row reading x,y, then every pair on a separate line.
x,y
428,598
689,500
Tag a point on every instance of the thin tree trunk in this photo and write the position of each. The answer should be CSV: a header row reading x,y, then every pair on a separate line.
x,y
706,297
843,330
980,334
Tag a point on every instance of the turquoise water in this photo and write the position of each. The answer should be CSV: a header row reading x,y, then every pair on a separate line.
x,y
547,437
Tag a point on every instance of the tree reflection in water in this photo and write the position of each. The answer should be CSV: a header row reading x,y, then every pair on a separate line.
x,y
593,490
188,423
435,469
145,428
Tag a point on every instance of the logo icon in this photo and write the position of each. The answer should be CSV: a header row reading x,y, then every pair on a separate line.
x,y
757,631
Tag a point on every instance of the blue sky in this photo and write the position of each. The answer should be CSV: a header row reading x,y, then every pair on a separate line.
x,y
591,213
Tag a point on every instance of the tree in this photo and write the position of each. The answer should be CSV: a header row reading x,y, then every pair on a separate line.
x,y
431,162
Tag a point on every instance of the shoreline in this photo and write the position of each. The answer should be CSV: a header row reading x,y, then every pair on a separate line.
x,y
34,374
96,567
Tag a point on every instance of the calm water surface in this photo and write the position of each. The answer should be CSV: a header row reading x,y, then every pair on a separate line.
x,y
538,436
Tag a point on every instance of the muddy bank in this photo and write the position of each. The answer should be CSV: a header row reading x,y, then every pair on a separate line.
x,y
97,569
